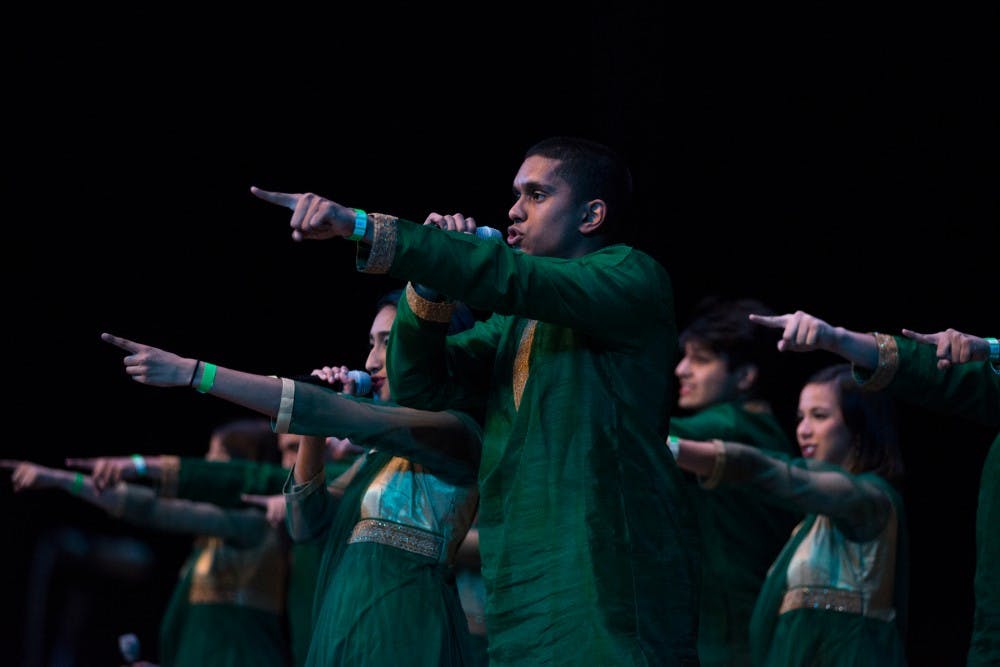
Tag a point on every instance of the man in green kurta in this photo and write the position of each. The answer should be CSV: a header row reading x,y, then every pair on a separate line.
x,y
949,372
723,377
588,543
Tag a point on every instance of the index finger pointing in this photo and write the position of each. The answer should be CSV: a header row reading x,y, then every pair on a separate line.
x,y
773,321
9,464
279,198
123,343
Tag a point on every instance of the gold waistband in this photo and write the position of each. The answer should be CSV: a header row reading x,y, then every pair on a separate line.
x,y
397,535
831,599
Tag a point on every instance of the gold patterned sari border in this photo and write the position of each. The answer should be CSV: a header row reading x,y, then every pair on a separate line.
x,y
399,536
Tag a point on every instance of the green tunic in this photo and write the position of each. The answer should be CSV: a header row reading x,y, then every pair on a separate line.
x,y
228,606
742,532
222,483
378,600
838,593
970,391
588,542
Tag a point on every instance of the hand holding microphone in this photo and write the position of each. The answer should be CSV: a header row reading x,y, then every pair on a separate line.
x,y
460,223
340,377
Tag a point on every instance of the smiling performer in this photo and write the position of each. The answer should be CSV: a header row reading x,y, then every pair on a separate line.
x,y
838,588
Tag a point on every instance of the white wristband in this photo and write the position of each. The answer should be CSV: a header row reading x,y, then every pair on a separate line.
x,y
674,444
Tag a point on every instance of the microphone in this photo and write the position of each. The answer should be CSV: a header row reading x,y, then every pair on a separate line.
x,y
362,382
129,646
489,233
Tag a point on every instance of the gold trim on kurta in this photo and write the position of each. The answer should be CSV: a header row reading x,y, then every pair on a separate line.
x,y
885,369
170,471
425,309
255,577
399,536
521,365
378,257
718,470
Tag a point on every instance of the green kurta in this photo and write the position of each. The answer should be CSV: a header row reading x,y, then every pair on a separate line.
x,y
742,532
228,606
588,542
222,483
970,391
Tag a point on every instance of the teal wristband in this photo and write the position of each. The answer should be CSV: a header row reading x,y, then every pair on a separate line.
x,y
360,225
207,378
994,349
140,463
76,486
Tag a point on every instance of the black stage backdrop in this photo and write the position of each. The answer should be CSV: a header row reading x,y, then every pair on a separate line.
x,y
839,160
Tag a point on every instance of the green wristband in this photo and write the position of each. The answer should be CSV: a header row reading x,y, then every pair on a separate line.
x,y
360,225
76,486
140,464
207,378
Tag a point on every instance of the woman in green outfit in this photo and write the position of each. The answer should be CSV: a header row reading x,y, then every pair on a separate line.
x,y
228,607
837,594
385,593
951,373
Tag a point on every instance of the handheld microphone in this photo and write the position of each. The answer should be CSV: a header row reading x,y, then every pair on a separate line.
x,y
129,646
362,382
489,233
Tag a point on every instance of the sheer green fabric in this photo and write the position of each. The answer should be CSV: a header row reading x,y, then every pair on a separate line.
x,y
742,532
588,541
194,635
226,632
970,391
859,508
222,483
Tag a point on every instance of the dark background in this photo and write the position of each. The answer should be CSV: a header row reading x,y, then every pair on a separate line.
x,y
817,156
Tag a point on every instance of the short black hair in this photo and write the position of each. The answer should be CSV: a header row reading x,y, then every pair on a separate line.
x,y
594,171
724,326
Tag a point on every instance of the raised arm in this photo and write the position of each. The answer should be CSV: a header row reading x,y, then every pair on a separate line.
x,y
802,332
150,365
854,501
140,505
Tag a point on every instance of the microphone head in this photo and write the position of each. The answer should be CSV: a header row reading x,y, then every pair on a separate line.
x,y
129,646
489,233
362,382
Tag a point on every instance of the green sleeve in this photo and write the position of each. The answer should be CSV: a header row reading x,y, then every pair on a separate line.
x,y
448,442
970,390
431,371
222,482
597,294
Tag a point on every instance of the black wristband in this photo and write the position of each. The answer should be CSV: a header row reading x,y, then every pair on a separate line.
x,y
197,362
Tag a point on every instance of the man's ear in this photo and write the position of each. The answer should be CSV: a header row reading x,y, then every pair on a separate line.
x,y
593,217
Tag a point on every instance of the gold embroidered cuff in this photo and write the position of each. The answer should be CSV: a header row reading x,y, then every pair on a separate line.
x,y
885,369
425,309
399,536
378,258
170,470
718,470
